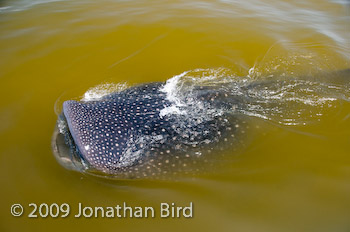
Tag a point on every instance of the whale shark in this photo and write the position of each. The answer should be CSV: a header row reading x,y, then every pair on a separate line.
x,y
154,129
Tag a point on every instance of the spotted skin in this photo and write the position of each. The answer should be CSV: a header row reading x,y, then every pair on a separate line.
x,y
124,133
104,130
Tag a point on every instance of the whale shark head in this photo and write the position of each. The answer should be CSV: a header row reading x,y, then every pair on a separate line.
x,y
105,135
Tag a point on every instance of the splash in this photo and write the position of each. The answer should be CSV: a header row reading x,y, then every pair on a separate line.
x,y
283,99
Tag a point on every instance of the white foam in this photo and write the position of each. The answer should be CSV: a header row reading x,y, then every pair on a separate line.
x,y
171,110
100,91
171,89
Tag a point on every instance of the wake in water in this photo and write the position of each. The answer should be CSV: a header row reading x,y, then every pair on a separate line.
x,y
287,100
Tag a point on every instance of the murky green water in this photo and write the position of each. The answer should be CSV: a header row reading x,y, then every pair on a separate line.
x,y
284,178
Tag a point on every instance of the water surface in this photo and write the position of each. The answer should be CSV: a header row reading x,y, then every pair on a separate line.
x,y
285,177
